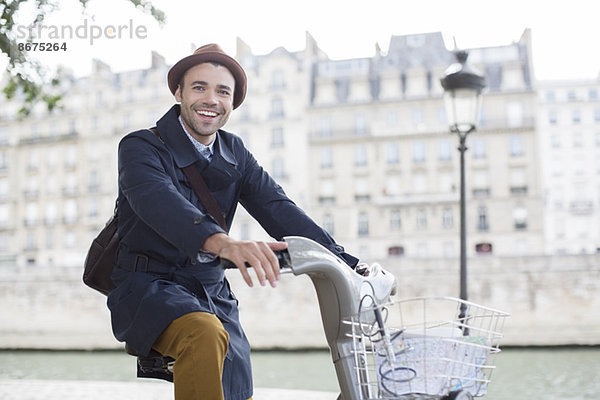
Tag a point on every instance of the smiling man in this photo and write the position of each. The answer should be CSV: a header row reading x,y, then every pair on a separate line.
x,y
170,294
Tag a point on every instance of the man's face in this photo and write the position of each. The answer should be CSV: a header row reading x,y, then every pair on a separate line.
x,y
206,97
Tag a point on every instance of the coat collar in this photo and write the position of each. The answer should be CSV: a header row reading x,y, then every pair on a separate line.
x,y
182,149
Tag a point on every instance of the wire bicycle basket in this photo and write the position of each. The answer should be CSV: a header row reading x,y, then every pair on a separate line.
x,y
425,348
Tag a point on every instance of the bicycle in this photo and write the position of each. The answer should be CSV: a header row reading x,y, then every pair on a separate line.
x,y
383,349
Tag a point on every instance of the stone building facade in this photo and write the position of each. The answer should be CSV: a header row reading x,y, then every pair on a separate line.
x,y
361,144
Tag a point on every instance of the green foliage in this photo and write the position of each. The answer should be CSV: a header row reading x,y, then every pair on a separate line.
x,y
26,76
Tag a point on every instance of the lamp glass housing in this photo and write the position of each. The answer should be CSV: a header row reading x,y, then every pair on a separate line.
x,y
462,108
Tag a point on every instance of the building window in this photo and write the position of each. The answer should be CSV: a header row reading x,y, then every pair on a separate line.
x,y
277,79
403,83
35,131
482,219
326,158
50,235
360,125
517,181
71,157
417,118
442,118
576,116
363,224
3,160
419,183
51,158
326,191
392,151
95,123
360,155
520,218
447,218
3,135
70,188
429,81
70,211
446,182
552,117
577,139
361,190
392,186
418,152
395,220
94,183
30,242
481,185
277,137
277,108
32,188
325,129
93,207
4,241
516,146
31,215
51,217
33,160
278,168
597,115
342,89
479,148
444,150
593,95
70,239
421,219
493,75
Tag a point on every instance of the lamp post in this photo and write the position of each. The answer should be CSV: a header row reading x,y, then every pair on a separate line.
x,y
462,97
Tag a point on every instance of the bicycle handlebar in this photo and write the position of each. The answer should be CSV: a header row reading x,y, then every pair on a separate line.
x,y
283,256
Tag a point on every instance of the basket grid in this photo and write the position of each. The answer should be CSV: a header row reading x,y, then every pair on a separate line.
x,y
425,348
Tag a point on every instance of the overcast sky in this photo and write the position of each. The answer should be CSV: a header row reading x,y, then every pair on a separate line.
x,y
565,33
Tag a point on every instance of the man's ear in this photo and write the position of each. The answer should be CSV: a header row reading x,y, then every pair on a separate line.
x,y
177,93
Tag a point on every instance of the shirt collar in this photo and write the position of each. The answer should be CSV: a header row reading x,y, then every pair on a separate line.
x,y
202,148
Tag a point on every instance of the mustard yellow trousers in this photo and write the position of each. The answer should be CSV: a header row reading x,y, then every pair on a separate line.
x,y
198,343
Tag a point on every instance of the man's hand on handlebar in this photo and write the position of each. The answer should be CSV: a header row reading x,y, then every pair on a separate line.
x,y
244,254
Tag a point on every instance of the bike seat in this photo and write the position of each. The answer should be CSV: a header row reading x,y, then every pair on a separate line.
x,y
154,365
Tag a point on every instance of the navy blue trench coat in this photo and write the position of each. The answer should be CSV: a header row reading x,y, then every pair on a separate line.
x,y
162,227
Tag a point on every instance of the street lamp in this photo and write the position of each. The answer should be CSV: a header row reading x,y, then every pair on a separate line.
x,y
462,97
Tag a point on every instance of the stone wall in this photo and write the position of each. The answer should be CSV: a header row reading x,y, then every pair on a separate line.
x,y
552,301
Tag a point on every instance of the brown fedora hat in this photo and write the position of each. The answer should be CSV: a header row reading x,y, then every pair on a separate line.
x,y
210,53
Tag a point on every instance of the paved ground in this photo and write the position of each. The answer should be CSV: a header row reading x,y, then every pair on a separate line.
x,y
98,390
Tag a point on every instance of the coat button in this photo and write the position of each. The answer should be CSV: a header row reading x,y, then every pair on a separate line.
x,y
197,220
